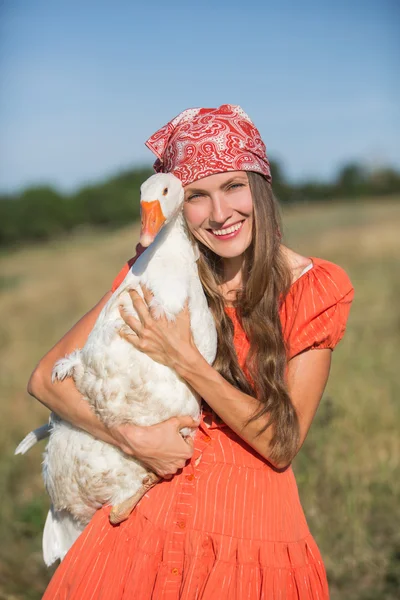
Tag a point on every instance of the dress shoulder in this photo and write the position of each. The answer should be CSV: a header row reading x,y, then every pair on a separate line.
x,y
315,311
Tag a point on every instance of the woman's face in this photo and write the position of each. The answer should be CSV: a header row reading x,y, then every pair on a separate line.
x,y
219,212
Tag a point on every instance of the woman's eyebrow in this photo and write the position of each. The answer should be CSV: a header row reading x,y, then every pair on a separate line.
x,y
196,191
236,179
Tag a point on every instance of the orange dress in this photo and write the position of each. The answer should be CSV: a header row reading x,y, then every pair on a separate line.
x,y
228,525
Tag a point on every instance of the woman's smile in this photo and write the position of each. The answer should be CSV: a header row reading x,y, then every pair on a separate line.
x,y
228,232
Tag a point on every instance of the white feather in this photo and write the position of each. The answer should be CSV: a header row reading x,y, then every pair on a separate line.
x,y
32,438
60,532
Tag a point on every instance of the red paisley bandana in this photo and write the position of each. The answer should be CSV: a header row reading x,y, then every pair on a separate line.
x,y
203,141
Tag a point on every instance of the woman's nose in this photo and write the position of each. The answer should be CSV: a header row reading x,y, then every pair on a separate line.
x,y
220,211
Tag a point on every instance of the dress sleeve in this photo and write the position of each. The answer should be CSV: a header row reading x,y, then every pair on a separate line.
x,y
124,271
317,309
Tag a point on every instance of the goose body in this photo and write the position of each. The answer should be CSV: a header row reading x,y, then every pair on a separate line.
x,y
121,384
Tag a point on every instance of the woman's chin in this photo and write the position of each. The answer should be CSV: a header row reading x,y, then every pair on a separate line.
x,y
231,249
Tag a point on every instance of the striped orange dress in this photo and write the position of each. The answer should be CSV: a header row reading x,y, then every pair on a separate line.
x,y
228,525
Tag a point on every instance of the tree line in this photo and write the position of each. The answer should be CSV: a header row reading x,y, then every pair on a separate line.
x,y
41,213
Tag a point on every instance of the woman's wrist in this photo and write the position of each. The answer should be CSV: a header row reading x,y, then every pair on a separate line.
x,y
127,438
188,361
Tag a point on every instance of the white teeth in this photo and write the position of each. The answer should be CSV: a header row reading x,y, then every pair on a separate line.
x,y
228,229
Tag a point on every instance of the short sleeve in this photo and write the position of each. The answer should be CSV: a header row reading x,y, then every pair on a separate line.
x,y
316,309
125,269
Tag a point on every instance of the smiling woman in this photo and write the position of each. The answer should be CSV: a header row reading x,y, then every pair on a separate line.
x,y
229,524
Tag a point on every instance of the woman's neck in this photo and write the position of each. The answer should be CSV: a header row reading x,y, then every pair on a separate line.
x,y
232,277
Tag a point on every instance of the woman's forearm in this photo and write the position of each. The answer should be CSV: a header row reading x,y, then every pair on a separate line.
x,y
307,375
160,447
234,407
64,399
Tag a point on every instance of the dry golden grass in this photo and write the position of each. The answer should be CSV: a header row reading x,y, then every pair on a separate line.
x,y
349,468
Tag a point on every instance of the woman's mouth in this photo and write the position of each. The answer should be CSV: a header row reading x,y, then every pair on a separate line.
x,y
227,233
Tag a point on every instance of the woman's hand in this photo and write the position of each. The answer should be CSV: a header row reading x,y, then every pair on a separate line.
x,y
159,447
167,342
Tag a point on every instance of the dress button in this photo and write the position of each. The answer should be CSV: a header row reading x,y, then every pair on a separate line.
x,y
206,438
175,571
189,477
181,524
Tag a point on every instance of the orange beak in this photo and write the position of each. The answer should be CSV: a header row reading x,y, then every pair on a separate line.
x,y
152,221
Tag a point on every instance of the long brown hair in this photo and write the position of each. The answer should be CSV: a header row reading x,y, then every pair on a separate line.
x,y
266,281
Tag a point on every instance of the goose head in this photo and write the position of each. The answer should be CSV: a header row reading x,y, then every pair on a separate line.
x,y
161,198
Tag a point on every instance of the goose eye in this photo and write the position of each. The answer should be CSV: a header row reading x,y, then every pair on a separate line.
x,y
165,191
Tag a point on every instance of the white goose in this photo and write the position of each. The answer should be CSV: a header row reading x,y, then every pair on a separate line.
x,y
122,384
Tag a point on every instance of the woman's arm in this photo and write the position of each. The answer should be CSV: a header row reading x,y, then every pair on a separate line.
x,y
307,376
172,344
160,447
62,397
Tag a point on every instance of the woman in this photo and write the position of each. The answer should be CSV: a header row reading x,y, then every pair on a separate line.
x,y
226,522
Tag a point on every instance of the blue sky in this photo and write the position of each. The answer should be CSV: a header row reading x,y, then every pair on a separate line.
x,y
84,83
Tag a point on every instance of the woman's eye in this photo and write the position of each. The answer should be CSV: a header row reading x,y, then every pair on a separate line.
x,y
199,195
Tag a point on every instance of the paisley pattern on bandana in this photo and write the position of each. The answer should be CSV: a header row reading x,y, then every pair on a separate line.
x,y
203,141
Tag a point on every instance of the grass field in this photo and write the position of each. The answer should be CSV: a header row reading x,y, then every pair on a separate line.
x,y
349,468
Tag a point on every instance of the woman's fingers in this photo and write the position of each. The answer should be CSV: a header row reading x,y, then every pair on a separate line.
x,y
132,338
147,295
141,307
132,325
186,421
189,448
189,440
143,313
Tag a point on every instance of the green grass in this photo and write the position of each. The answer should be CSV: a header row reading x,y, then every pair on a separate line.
x,y
348,470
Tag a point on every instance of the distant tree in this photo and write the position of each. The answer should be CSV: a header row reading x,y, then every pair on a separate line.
x,y
9,224
351,176
313,191
385,181
112,203
40,213
277,174
352,180
132,178
282,190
